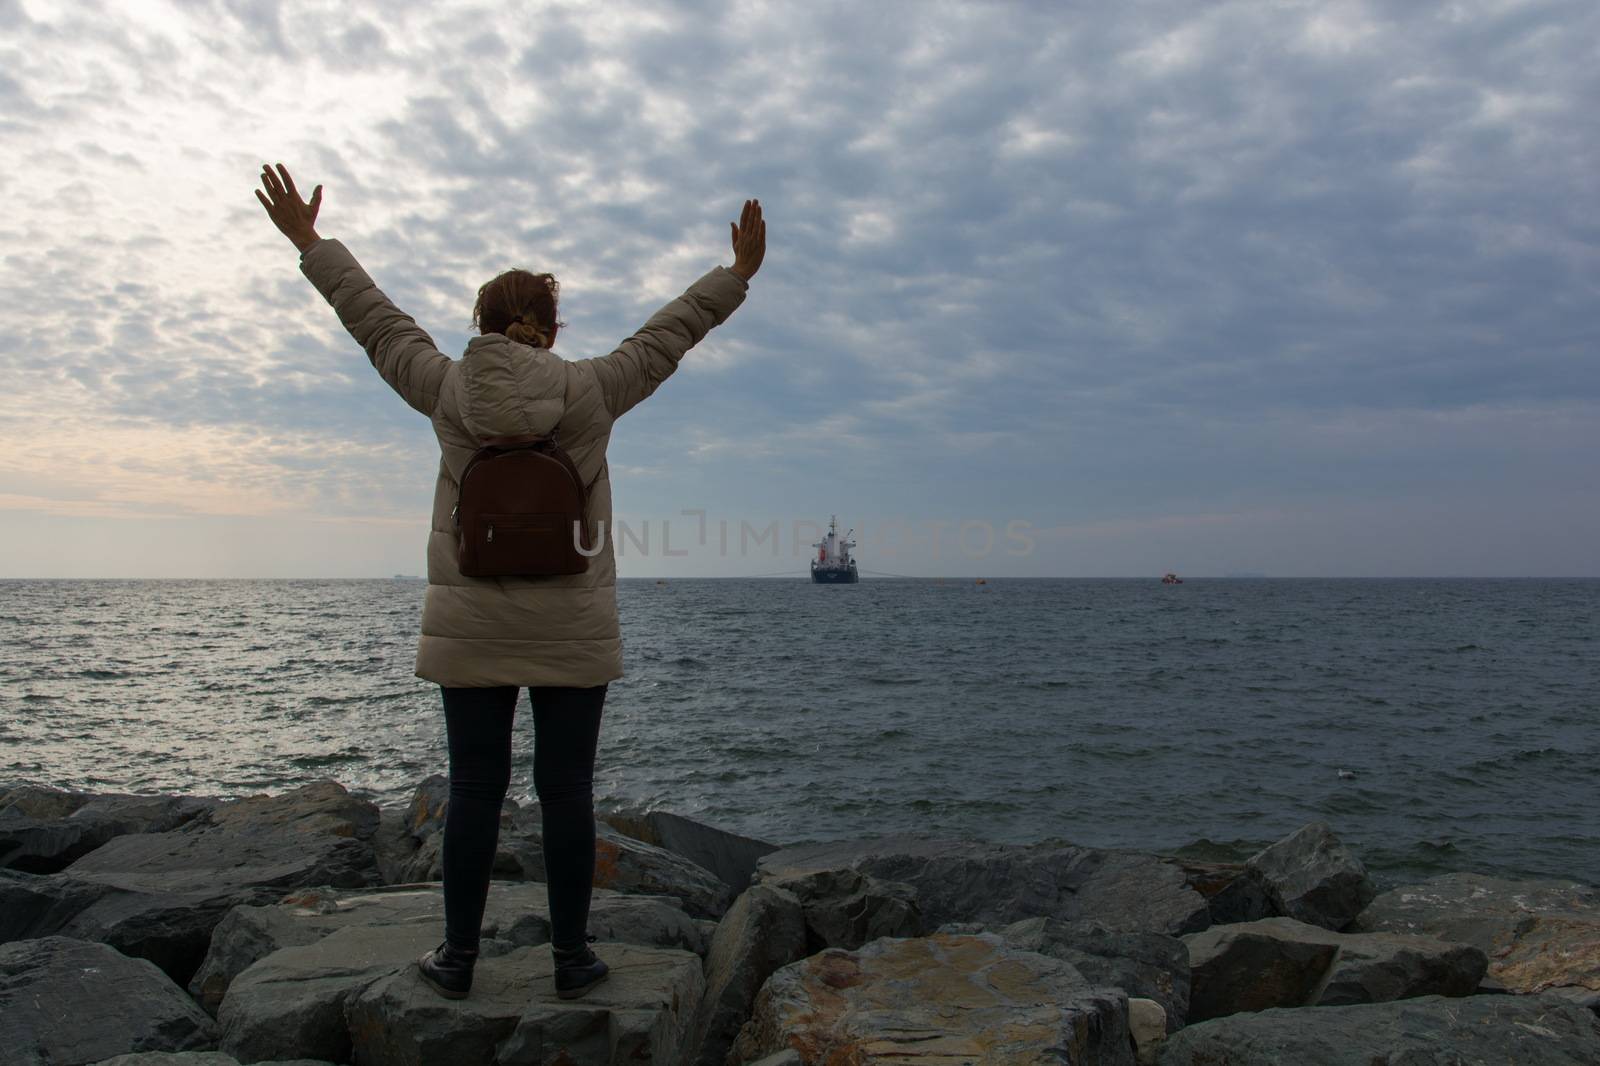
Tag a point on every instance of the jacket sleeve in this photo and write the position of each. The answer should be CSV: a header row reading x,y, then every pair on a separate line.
x,y
402,351
646,359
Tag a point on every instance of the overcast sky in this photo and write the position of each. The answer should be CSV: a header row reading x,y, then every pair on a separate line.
x,y
1293,288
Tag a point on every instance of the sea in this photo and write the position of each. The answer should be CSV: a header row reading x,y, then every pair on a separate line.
x,y
1436,725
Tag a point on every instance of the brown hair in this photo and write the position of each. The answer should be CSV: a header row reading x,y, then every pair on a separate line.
x,y
520,304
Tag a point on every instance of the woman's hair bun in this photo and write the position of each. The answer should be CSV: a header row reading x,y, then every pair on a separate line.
x,y
519,304
524,332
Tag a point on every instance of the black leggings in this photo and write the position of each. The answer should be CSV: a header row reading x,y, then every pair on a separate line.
x,y
566,725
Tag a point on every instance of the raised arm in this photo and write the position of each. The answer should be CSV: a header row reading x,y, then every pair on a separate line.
x,y
646,359
402,351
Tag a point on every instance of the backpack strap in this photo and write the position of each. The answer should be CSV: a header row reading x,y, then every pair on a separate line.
x,y
506,443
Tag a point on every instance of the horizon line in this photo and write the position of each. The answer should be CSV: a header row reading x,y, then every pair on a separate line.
x,y
884,577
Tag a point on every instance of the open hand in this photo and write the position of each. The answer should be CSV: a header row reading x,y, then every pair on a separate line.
x,y
749,240
295,218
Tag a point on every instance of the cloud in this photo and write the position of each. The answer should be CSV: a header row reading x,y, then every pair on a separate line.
x,y
1188,253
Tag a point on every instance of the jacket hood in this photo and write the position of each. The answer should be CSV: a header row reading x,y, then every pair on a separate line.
x,y
509,389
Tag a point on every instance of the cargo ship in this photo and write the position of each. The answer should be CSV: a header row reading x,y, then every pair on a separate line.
x,y
833,564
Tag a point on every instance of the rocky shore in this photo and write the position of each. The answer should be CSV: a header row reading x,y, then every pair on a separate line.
x,y
167,930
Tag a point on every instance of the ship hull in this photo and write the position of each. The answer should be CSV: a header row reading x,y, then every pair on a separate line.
x,y
834,575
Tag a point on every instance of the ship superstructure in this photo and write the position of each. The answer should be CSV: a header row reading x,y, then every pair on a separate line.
x,y
833,564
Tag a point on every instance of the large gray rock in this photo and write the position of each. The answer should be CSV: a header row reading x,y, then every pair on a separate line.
x,y
65,1002
292,1003
1232,890
730,856
1583,997
170,929
429,802
1539,935
763,931
402,832
131,813
1151,966
995,884
516,914
1310,876
44,830
1428,1031
624,864
251,932
393,846
940,999
159,895
202,1058
640,1013
22,800
172,1058
37,905
1281,962
843,908
1377,967
1244,968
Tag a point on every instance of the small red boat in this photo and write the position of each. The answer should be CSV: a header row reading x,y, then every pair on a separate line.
x,y
1171,579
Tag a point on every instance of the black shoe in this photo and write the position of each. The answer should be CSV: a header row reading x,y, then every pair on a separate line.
x,y
448,970
578,969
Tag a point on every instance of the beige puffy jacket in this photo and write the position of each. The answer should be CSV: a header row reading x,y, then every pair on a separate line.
x,y
478,632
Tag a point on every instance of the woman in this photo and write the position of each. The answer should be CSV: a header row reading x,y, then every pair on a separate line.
x,y
484,639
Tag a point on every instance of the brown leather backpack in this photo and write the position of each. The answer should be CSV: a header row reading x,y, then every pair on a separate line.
x,y
522,510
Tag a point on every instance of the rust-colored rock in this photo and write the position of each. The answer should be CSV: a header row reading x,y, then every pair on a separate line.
x,y
1539,935
940,1000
